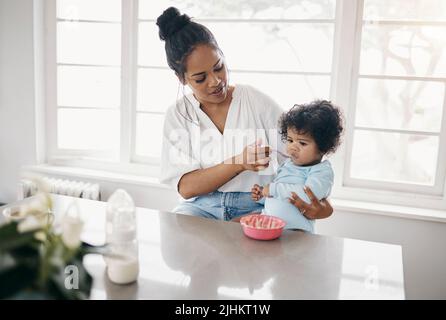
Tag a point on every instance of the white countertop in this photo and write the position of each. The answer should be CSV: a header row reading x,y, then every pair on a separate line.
x,y
185,257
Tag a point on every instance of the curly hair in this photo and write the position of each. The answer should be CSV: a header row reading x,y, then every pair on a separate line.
x,y
320,119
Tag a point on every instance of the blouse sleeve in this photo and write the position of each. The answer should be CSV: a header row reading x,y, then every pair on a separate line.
x,y
177,157
270,113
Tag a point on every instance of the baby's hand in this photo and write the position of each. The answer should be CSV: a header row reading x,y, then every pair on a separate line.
x,y
256,192
265,191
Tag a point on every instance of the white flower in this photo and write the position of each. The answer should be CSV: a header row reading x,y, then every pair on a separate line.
x,y
30,223
71,225
35,214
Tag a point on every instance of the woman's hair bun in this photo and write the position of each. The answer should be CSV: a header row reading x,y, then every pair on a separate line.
x,y
170,22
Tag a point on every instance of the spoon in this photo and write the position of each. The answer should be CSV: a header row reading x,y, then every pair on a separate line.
x,y
281,153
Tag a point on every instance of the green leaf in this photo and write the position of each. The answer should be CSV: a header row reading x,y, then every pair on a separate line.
x,y
11,238
15,279
7,261
8,229
35,269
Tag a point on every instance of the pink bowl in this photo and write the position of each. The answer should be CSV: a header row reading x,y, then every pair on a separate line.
x,y
262,227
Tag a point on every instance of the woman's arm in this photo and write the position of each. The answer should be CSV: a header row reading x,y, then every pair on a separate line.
x,y
202,181
315,209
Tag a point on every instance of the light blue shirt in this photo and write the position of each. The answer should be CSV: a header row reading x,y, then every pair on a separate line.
x,y
292,178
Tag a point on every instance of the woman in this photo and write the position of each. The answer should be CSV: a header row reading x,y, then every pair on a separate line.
x,y
216,141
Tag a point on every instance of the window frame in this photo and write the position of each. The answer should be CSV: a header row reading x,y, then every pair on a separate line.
x,y
95,159
346,74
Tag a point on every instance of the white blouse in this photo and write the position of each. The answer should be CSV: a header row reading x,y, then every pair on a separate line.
x,y
191,140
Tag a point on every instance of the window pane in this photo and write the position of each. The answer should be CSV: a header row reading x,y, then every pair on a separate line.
x,y
98,10
149,133
431,10
88,129
286,90
88,87
157,89
403,50
265,46
89,43
276,46
398,104
246,9
394,157
150,47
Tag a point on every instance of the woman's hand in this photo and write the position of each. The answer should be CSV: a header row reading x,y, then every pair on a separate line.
x,y
254,157
256,192
314,210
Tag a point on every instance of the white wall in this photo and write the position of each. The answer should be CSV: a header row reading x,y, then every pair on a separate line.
x,y
17,99
423,242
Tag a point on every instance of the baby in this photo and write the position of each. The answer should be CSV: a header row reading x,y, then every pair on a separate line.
x,y
311,131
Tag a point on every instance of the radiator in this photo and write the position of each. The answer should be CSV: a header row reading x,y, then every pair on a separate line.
x,y
79,189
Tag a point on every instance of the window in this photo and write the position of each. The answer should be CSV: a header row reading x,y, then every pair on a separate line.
x,y
87,79
395,137
383,61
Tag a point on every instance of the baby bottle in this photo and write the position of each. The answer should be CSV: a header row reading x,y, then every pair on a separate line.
x,y
122,257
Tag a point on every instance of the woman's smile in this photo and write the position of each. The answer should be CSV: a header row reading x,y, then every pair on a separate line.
x,y
220,91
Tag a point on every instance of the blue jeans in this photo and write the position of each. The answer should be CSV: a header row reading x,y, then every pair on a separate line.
x,y
220,205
